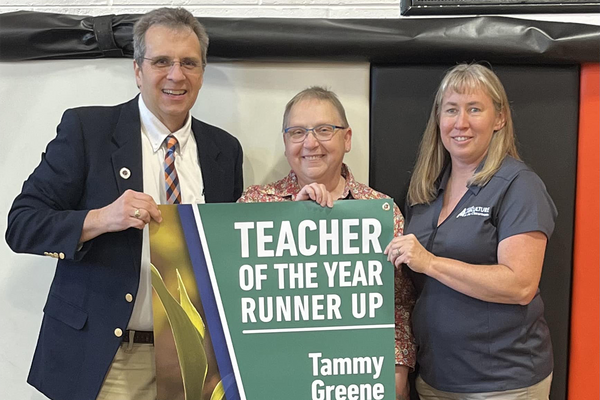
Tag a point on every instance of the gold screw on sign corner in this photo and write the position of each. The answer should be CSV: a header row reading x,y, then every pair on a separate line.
x,y
386,206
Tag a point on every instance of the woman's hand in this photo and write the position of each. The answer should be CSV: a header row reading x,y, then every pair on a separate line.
x,y
407,250
402,387
514,280
316,192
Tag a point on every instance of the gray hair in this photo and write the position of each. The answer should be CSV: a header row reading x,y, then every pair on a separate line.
x,y
315,93
174,18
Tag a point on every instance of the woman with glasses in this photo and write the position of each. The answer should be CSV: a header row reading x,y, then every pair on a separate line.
x,y
316,135
478,220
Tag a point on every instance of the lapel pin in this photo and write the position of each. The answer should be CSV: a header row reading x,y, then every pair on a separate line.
x,y
125,173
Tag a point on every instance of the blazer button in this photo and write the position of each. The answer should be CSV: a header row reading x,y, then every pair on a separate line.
x,y
46,253
129,297
125,173
61,256
118,332
55,255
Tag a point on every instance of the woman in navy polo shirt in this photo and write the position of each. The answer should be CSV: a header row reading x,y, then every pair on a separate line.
x,y
478,220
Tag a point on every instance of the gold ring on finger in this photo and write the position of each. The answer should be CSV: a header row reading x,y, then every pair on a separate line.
x,y
137,213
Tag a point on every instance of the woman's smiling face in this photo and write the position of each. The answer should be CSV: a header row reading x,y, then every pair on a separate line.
x,y
467,124
313,160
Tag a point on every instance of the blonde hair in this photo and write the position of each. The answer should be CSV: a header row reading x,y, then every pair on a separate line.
x,y
433,156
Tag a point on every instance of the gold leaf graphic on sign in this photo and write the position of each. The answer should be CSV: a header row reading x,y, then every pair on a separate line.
x,y
188,340
219,392
188,307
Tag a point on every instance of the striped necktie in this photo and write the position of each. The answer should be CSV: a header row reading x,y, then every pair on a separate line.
x,y
171,179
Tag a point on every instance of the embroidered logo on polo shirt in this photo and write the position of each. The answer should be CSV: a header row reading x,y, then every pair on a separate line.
x,y
475,210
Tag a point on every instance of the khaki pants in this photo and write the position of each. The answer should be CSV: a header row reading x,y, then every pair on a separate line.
x,y
539,391
132,374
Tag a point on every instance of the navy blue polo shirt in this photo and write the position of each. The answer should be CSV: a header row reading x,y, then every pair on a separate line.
x,y
468,345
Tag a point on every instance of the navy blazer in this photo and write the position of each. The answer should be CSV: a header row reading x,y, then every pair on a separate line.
x,y
80,171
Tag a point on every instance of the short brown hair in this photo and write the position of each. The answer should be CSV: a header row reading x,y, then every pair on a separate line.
x,y
318,93
174,18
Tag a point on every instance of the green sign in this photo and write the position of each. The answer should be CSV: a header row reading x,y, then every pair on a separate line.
x,y
305,297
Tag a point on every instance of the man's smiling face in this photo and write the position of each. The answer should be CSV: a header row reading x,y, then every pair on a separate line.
x,y
170,93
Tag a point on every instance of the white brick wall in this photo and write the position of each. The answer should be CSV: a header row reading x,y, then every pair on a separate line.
x,y
248,8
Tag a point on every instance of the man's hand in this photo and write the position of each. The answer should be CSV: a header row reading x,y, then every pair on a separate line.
x,y
316,192
131,210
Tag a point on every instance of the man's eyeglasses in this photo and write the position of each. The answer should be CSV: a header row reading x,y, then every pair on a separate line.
x,y
166,63
322,133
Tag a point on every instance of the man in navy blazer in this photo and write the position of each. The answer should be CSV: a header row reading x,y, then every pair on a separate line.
x,y
90,199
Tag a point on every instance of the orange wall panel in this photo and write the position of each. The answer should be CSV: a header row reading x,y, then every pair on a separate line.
x,y
584,352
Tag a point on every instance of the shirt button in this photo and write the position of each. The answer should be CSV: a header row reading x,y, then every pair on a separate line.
x,y
118,332
129,297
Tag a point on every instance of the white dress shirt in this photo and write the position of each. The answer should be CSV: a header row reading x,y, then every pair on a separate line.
x,y
187,165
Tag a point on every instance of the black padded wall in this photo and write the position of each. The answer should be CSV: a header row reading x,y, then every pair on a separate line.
x,y
545,103
28,35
